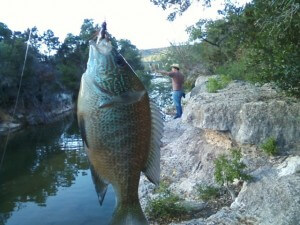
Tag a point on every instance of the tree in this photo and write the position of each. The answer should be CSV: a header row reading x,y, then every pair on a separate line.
x,y
5,33
178,6
131,54
51,42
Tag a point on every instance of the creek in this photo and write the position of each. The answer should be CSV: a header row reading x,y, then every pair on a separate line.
x,y
45,179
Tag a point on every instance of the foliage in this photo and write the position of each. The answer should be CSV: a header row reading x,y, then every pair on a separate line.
x,y
178,6
228,169
215,84
207,193
51,67
133,56
188,85
51,42
269,146
258,42
275,56
166,206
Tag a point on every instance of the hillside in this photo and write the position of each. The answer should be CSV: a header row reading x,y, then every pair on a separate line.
x,y
153,54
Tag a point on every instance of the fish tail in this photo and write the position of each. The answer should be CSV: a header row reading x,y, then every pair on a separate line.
x,y
129,215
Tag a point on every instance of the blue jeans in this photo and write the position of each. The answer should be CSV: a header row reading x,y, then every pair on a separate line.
x,y
177,95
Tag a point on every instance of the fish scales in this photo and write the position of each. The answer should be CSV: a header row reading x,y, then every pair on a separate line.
x,y
115,120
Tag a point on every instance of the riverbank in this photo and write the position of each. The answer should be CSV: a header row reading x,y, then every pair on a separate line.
x,y
62,105
241,116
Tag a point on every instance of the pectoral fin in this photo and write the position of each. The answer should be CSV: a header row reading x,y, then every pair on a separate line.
x,y
152,168
100,185
125,98
82,130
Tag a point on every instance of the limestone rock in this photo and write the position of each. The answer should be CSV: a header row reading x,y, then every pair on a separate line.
x,y
9,126
187,159
272,198
249,113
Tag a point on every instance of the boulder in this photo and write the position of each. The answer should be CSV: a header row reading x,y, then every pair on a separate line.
x,y
250,113
273,197
242,115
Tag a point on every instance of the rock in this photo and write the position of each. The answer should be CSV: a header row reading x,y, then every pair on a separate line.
x,y
200,85
6,127
272,198
187,159
242,115
250,114
193,206
60,105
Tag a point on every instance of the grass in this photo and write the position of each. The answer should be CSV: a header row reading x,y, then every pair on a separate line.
x,y
166,207
215,84
207,193
269,146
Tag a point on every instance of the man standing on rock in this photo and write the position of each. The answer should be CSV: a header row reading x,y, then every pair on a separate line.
x,y
177,85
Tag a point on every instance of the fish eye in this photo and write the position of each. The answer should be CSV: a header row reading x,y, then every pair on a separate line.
x,y
120,61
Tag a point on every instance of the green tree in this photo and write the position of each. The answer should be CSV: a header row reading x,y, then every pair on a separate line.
x,y
51,42
5,33
178,6
132,55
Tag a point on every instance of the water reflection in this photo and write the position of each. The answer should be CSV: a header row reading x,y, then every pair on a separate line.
x,y
161,90
45,170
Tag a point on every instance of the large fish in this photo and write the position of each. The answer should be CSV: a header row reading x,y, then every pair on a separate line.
x,y
121,130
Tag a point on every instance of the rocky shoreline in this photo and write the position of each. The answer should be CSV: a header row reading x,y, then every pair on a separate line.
x,y
240,116
42,115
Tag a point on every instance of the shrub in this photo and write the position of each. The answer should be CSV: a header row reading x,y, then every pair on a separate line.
x,y
224,80
270,146
166,206
189,85
228,169
215,84
207,193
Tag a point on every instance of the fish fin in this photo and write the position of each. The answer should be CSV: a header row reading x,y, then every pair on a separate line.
x,y
100,185
82,130
129,215
152,168
125,98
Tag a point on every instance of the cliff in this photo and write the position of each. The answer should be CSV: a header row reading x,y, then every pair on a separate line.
x,y
59,104
241,116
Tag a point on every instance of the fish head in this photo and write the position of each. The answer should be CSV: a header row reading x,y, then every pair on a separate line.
x,y
101,59
111,74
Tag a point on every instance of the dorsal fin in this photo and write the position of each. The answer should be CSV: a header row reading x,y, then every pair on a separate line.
x,y
152,168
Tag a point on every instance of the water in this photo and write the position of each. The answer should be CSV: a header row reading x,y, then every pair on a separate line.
x,y
161,90
45,179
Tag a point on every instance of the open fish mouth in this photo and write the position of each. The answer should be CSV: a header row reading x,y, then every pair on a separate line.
x,y
104,46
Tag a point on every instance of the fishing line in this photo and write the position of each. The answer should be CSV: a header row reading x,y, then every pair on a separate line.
x,y
17,100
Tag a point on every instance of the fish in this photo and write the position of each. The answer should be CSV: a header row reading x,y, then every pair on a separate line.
x,y
121,129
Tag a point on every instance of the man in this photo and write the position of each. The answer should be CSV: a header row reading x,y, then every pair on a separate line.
x,y
177,85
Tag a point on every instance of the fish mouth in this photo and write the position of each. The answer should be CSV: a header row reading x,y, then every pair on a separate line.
x,y
104,46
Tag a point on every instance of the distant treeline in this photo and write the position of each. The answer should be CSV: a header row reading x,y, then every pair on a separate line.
x,y
52,67
259,42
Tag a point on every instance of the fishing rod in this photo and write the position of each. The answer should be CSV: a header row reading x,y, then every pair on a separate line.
x,y
17,99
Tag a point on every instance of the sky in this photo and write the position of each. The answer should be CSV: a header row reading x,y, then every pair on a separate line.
x,y
139,21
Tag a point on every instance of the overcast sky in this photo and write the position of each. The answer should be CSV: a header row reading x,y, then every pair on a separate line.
x,y
140,21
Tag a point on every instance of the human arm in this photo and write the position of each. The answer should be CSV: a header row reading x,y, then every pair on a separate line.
x,y
170,74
